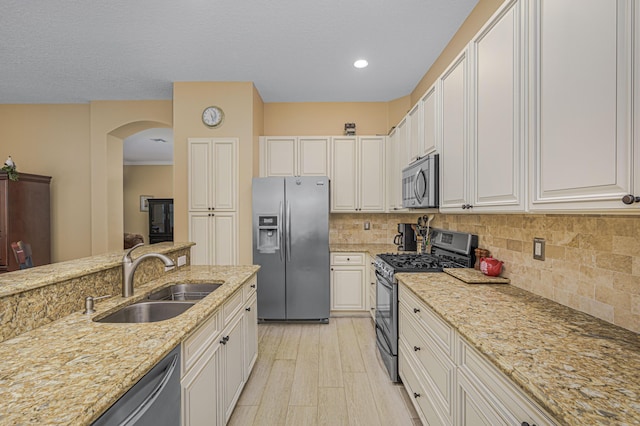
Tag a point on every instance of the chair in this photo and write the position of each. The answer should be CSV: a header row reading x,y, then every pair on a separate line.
x,y
22,252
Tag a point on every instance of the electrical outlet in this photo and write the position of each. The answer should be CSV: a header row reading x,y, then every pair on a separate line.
x,y
182,260
367,226
538,248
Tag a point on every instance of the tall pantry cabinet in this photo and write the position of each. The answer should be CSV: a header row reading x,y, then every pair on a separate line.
x,y
213,215
24,216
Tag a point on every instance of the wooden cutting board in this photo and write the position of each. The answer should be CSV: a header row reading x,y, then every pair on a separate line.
x,y
472,276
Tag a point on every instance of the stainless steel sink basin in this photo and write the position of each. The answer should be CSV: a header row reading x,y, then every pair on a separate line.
x,y
147,311
184,291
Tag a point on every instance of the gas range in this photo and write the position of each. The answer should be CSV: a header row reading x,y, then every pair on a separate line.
x,y
449,249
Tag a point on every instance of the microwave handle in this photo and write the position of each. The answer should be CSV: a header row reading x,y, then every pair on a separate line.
x,y
419,198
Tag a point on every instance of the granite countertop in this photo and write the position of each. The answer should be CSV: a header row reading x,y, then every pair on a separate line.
x,y
27,279
582,370
372,249
71,370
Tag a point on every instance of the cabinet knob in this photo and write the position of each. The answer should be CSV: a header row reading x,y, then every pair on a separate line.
x,y
348,258
630,199
224,340
467,206
416,310
248,309
416,395
252,286
416,348
526,424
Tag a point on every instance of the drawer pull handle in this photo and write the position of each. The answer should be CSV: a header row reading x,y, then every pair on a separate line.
x,y
416,310
526,424
416,395
252,286
248,309
416,348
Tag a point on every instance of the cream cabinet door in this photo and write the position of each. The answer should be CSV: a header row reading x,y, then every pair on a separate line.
x,y
200,390
347,288
371,159
498,139
280,156
582,103
232,359
313,156
215,235
429,122
213,173
454,158
414,132
250,335
344,164
403,145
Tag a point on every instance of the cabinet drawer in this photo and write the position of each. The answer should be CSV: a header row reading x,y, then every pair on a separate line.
x,y
231,307
250,288
441,332
421,399
199,341
509,401
431,364
347,258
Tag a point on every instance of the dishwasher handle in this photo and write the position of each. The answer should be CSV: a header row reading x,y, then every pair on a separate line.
x,y
153,395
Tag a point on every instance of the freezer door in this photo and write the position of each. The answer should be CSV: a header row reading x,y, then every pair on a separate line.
x,y
268,203
307,247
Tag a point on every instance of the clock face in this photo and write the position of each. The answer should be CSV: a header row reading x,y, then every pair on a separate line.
x,y
212,116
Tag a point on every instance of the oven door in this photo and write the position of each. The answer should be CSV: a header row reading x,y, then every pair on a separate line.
x,y
387,311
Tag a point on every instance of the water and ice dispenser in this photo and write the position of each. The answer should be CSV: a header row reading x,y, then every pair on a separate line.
x,y
268,234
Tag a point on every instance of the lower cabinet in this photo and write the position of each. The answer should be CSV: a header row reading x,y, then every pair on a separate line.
x,y
218,358
449,381
215,235
348,291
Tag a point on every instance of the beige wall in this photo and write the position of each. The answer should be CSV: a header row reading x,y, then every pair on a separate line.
x,y
476,19
143,180
237,101
324,118
110,123
398,108
53,140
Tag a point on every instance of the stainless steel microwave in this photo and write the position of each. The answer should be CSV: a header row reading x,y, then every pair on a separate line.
x,y
420,183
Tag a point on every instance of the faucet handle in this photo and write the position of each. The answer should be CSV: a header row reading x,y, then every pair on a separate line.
x,y
127,255
88,303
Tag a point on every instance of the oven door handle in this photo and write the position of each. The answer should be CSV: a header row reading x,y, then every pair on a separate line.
x,y
382,280
384,342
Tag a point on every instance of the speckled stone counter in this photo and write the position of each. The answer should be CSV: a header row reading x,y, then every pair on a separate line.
x,y
582,370
73,369
372,249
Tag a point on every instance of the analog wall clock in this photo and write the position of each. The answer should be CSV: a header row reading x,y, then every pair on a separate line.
x,y
212,116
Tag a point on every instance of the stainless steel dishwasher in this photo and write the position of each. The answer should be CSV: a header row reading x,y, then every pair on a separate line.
x,y
153,401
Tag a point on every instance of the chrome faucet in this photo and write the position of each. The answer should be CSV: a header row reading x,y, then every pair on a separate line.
x,y
129,267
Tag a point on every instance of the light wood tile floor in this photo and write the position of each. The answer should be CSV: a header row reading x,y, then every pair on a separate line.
x,y
321,374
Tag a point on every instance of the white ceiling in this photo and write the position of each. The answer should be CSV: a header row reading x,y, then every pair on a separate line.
x,y
62,51
149,147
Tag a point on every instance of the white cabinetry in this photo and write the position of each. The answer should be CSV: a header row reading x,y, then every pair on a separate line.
x,y
215,238
295,155
216,364
454,158
348,283
395,149
371,286
213,176
415,132
358,173
451,383
582,103
428,108
497,136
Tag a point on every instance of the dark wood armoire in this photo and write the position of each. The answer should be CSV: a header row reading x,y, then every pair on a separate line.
x,y
25,215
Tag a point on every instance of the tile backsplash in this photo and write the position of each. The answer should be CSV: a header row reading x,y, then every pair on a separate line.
x,y
592,262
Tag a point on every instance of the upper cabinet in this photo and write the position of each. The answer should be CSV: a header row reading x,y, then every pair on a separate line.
x,y
454,158
582,103
497,135
213,171
295,156
414,133
429,122
394,171
358,173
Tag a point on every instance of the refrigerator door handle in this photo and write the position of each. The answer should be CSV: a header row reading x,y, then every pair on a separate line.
x,y
281,232
288,232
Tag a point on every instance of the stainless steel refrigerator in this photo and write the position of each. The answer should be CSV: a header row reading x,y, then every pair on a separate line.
x,y
291,244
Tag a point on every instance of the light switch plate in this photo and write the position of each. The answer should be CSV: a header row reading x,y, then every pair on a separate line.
x,y
538,248
367,226
182,260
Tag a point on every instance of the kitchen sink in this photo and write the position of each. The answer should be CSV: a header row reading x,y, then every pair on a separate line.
x,y
147,311
184,291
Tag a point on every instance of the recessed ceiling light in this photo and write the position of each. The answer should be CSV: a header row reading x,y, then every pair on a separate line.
x,y
361,63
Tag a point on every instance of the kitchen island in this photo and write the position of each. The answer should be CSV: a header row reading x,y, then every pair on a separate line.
x,y
578,368
71,370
